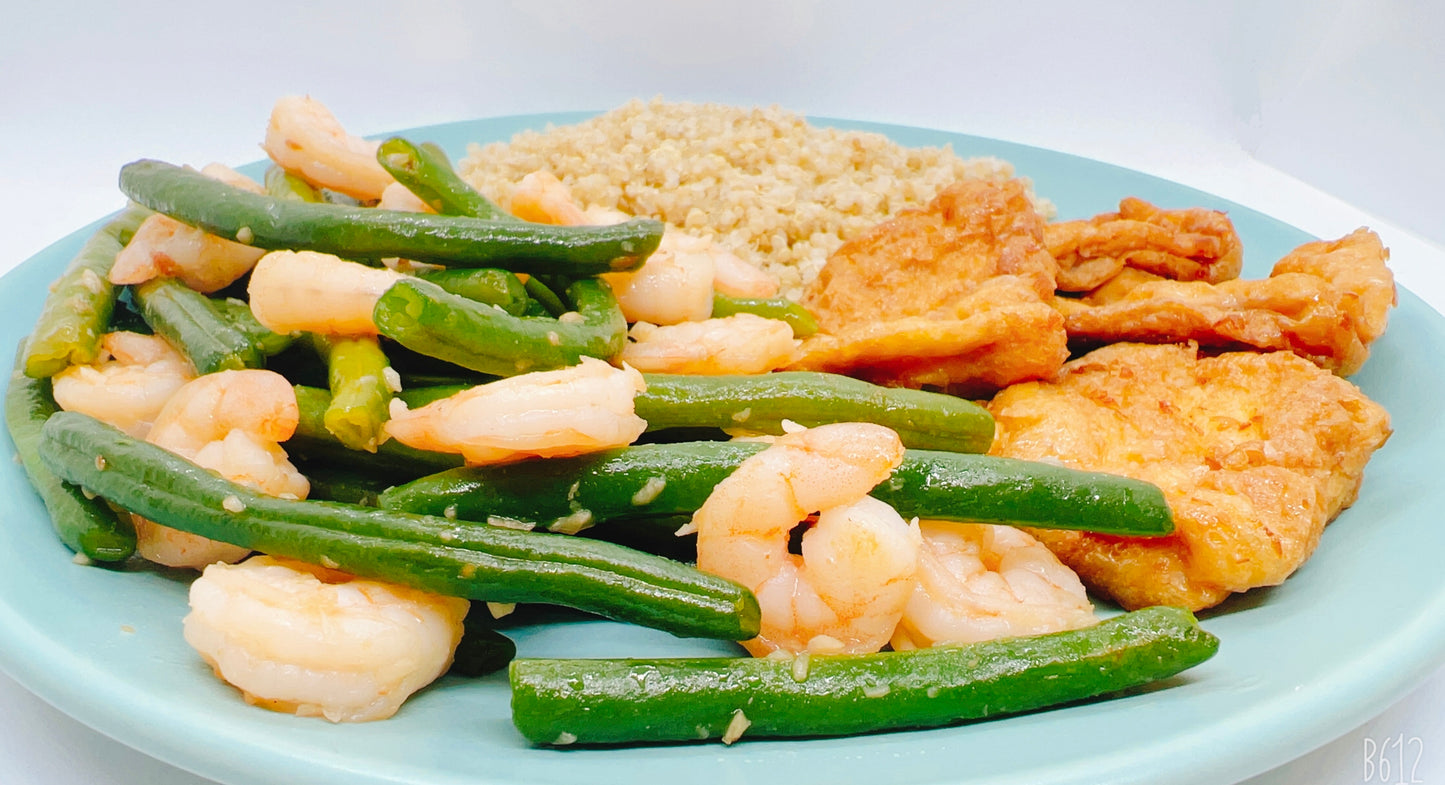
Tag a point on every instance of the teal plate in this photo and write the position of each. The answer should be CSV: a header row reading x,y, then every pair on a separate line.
x,y
1359,625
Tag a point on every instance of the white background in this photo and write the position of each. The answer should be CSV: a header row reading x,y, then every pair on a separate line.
x,y
1327,115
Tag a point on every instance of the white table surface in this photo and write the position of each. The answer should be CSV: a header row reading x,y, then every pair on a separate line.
x,y
1189,92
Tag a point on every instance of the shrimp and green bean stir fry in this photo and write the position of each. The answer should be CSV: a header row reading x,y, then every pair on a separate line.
x,y
373,410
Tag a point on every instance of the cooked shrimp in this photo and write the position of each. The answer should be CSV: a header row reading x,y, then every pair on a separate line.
x,y
741,343
304,138
736,278
677,281
128,384
674,285
231,177
978,582
319,643
316,292
398,197
847,590
541,198
544,414
231,422
164,246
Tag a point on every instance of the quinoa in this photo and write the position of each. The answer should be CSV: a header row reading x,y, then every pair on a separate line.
x,y
762,182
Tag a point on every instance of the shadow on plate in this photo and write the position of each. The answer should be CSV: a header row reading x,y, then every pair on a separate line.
x,y
1238,603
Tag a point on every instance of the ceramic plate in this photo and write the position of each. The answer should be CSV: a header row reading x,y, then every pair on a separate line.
x,y
1300,664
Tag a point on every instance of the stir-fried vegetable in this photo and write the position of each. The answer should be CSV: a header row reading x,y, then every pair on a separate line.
x,y
497,296
78,308
238,313
422,317
362,233
430,553
198,326
760,403
668,479
314,442
485,285
357,372
433,180
780,308
86,524
562,702
285,185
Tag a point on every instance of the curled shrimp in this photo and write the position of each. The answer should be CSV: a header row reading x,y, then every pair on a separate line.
x,y
316,292
674,285
304,138
677,281
544,414
163,246
319,643
741,343
847,589
978,581
231,422
128,384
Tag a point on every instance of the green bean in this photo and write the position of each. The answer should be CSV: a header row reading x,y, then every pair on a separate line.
x,y
394,460
428,553
760,403
438,154
543,295
284,185
77,310
86,524
559,702
238,314
418,396
425,319
485,285
335,484
434,181
370,234
356,370
560,494
780,308
197,325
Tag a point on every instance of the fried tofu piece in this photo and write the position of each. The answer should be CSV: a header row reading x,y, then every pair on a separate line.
x,y
954,296
1255,453
1194,244
1000,334
1325,301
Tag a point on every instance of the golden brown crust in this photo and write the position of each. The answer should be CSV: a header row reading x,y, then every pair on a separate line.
x,y
1194,244
1000,334
1255,454
1355,265
954,296
924,260
1325,301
